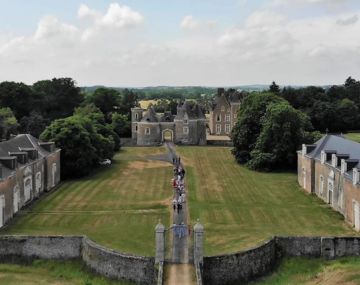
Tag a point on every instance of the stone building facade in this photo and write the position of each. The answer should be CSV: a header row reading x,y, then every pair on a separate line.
x,y
330,168
28,167
188,127
223,114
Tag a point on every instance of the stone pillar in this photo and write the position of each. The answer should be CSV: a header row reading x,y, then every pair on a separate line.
x,y
160,243
198,242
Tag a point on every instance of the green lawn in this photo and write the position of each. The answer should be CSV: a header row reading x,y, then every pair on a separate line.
x,y
118,207
307,271
42,272
353,136
241,208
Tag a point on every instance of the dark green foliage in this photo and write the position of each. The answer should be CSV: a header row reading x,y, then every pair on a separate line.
x,y
269,132
335,109
19,97
33,124
106,99
8,123
75,136
84,139
274,88
248,126
59,97
121,125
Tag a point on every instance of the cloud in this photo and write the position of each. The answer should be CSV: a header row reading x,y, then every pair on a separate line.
x,y
309,2
348,21
109,47
50,27
190,23
121,17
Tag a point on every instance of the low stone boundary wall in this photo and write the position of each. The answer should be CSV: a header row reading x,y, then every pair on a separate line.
x,y
106,262
241,267
26,248
118,265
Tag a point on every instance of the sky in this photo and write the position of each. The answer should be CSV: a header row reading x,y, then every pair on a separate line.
x,y
138,43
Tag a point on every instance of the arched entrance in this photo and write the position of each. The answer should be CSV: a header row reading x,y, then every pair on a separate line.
x,y
167,135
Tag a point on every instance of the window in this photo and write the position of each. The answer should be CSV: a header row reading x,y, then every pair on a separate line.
x,y
321,185
136,116
235,115
218,118
340,198
227,118
136,128
222,109
186,130
147,131
228,110
185,121
227,129
218,129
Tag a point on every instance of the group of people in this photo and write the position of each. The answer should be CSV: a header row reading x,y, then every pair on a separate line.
x,y
178,184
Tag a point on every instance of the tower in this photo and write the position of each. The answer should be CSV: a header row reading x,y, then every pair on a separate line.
x,y
136,117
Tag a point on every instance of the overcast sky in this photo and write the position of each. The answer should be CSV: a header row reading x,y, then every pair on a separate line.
x,y
138,43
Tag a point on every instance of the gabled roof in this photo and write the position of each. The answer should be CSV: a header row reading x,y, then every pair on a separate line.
x,y
18,144
150,115
193,112
338,144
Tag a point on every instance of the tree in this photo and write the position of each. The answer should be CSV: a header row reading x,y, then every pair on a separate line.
x,y
349,82
106,99
8,123
60,96
79,155
283,131
269,131
274,88
19,98
121,125
33,124
248,125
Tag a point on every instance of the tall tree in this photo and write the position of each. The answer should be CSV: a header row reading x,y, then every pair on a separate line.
x,y
106,99
8,123
60,97
274,88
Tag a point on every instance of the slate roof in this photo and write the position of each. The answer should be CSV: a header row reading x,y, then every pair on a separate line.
x,y
192,111
339,145
150,115
228,99
19,143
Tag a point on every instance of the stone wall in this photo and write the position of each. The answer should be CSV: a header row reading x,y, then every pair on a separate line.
x,y
26,248
239,268
117,265
106,262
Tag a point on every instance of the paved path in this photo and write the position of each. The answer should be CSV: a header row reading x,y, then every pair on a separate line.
x,y
179,271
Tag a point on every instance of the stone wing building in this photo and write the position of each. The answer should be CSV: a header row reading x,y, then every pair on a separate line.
x,y
223,114
188,127
28,167
330,168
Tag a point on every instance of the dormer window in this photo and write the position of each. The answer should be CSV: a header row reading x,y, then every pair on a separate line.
x,y
147,131
323,157
333,160
356,176
218,118
185,121
343,166
222,109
